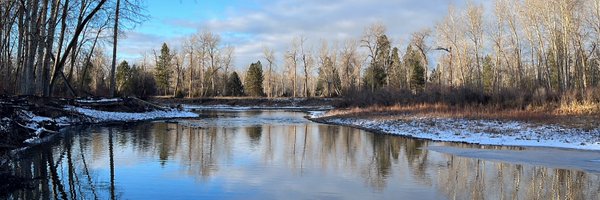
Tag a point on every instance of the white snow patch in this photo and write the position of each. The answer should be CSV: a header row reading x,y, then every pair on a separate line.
x,y
98,100
485,132
35,122
106,116
4,124
316,114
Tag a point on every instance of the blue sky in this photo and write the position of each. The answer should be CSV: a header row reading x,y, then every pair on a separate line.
x,y
251,25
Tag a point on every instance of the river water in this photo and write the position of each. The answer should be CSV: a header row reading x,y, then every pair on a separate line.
x,y
281,155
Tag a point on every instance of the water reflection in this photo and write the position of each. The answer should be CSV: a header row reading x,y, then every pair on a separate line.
x,y
275,161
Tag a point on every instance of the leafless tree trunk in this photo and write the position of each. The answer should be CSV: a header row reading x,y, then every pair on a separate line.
x,y
59,65
111,90
270,57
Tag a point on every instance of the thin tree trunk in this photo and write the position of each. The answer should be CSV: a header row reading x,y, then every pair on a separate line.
x,y
31,49
41,44
191,89
43,82
58,67
20,44
87,60
114,56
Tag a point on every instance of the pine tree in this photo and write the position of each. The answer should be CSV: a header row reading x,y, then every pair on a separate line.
x,y
254,80
417,78
234,86
374,77
488,74
383,57
123,76
163,68
376,74
86,78
397,74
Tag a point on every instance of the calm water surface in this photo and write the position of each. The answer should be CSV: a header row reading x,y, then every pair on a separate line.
x,y
280,155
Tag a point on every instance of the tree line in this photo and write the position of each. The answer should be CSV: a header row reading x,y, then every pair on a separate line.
x,y
535,47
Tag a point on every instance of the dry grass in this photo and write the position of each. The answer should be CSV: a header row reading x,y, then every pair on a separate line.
x,y
575,108
577,116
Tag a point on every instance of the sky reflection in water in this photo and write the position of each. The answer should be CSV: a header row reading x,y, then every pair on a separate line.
x,y
276,155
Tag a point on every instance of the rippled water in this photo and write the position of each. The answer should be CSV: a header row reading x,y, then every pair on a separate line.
x,y
280,155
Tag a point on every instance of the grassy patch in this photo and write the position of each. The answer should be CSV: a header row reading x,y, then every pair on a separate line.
x,y
575,116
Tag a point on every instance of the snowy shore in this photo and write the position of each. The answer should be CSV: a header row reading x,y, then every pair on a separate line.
x,y
484,132
39,126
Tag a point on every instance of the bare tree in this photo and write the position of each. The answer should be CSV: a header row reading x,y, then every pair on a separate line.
x,y
419,40
350,65
114,53
475,34
307,60
269,55
292,63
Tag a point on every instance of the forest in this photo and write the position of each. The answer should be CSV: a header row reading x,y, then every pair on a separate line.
x,y
514,54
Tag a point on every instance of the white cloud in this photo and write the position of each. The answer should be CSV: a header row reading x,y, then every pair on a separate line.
x,y
276,23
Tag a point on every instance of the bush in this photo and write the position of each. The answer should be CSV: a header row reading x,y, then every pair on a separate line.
x,y
179,94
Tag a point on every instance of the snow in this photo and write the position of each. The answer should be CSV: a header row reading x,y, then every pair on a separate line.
x,y
485,132
106,116
316,114
98,100
35,123
4,124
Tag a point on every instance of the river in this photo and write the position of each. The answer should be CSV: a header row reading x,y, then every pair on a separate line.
x,y
281,155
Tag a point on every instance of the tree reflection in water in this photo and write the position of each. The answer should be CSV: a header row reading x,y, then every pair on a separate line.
x,y
96,164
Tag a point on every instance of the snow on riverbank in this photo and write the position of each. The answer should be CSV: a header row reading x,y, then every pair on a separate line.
x,y
98,116
37,123
485,132
99,100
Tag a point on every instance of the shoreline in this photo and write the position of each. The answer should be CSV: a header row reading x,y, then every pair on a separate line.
x,y
471,131
27,120
251,102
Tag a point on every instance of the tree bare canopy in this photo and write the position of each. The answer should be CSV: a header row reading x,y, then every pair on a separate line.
x,y
58,47
48,45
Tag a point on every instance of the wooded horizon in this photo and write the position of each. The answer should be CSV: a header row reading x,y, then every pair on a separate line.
x,y
534,50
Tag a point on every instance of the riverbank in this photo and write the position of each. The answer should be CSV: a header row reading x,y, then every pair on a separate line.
x,y
251,103
26,119
472,125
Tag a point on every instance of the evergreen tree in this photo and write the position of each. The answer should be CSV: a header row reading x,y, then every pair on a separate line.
x,y
397,72
417,77
141,84
163,68
86,78
254,80
488,74
383,57
234,86
376,75
123,76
